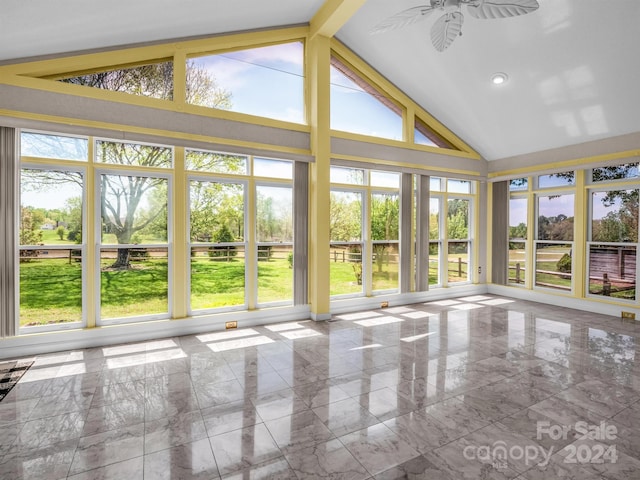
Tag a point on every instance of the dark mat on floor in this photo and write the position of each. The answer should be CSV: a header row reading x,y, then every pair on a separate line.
x,y
10,373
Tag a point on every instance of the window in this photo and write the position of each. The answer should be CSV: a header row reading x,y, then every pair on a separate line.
x,y
518,184
349,176
517,239
359,107
615,172
435,241
53,146
218,246
228,243
215,162
613,243
425,135
554,241
134,154
346,242
458,240
556,180
385,225
274,236
134,252
154,80
51,252
265,81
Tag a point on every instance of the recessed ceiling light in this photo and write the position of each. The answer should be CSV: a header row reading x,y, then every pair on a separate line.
x,y
499,78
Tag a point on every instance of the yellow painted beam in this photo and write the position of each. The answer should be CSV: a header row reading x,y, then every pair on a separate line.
x,y
579,253
319,75
332,15
181,255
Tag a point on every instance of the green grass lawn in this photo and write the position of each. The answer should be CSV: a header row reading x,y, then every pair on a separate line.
x,y
50,292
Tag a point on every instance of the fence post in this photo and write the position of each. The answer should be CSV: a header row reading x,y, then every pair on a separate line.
x,y
606,285
335,256
460,267
518,272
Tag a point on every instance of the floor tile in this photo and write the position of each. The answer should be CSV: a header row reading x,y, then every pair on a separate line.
x,y
326,460
378,448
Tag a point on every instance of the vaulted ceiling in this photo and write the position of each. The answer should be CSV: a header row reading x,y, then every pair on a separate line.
x,y
573,65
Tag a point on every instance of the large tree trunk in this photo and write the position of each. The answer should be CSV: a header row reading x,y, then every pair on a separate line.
x,y
122,260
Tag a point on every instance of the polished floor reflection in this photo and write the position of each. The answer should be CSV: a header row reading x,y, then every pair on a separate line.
x,y
474,387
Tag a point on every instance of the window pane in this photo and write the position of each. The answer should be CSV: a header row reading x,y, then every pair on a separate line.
x,y
134,210
50,287
434,218
435,184
345,216
517,262
424,135
51,207
274,222
555,217
385,179
458,219
263,167
556,180
518,218
458,261
134,154
155,81
137,290
345,269
553,265
53,146
265,81
351,176
217,276
358,107
385,265
519,184
616,172
458,186
612,271
385,216
216,162
216,212
434,263
614,216
275,273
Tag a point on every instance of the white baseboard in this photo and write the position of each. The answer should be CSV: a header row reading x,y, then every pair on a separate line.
x,y
39,343
49,342
355,304
585,304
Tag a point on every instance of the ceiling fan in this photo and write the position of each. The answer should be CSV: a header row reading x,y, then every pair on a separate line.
x,y
449,26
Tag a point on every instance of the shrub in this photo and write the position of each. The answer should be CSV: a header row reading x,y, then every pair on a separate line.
x,y
564,264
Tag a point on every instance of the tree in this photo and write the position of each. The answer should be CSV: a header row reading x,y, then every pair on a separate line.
x,y
385,223
345,217
30,233
121,195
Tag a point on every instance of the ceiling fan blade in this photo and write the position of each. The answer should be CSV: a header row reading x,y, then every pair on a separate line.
x,y
446,29
488,9
402,19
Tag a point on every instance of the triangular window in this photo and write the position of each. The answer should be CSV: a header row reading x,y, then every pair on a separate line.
x,y
154,80
424,135
359,107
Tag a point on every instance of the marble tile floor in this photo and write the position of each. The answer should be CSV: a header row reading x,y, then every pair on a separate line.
x,y
480,387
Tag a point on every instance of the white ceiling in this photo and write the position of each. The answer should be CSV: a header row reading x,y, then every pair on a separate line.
x,y
573,65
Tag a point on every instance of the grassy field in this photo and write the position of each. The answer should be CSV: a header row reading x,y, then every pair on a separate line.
x,y
51,289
